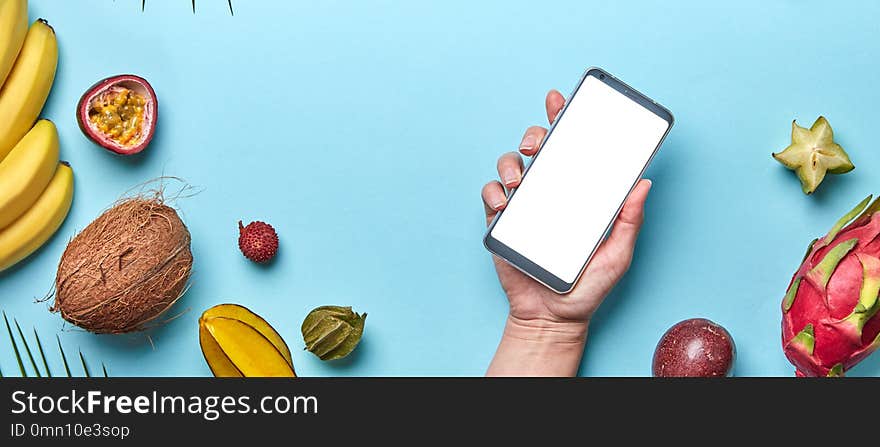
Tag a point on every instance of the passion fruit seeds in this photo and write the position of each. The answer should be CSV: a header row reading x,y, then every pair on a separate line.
x,y
119,114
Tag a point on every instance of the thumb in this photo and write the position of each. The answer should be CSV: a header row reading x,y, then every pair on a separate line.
x,y
618,249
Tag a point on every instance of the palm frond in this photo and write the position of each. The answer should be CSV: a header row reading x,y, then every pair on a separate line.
x,y
32,358
14,347
228,2
85,367
42,354
27,348
63,357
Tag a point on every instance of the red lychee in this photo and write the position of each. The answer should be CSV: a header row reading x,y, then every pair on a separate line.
x,y
258,241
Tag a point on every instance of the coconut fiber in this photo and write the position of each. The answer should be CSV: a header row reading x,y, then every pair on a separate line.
x,y
124,269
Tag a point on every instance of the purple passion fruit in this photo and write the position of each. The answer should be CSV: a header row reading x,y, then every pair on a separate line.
x,y
695,348
119,114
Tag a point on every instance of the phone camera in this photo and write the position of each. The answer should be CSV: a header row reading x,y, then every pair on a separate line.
x,y
602,76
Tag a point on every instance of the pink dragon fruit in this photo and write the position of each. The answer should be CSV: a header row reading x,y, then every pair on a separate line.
x,y
828,313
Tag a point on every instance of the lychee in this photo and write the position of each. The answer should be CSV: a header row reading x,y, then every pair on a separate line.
x,y
258,241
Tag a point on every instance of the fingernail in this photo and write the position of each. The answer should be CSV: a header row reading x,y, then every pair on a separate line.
x,y
528,142
510,177
650,183
497,205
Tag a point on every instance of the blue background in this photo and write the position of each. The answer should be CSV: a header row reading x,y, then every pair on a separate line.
x,y
364,130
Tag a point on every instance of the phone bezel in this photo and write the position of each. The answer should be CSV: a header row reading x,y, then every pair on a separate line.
x,y
534,270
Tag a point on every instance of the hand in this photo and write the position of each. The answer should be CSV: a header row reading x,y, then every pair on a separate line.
x,y
536,312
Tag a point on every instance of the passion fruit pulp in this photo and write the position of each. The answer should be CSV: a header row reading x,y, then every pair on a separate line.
x,y
119,113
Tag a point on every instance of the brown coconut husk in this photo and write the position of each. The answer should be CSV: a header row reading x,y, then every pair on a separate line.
x,y
126,268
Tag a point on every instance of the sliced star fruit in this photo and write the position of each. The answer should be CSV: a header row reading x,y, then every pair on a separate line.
x,y
813,153
239,343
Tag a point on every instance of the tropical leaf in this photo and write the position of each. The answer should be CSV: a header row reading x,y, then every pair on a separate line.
x,y
85,367
63,357
19,357
228,2
27,348
14,346
42,354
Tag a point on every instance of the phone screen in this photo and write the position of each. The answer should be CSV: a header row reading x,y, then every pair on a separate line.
x,y
574,187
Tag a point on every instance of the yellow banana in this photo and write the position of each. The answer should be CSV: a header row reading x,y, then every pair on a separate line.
x,y
27,87
38,224
26,171
13,28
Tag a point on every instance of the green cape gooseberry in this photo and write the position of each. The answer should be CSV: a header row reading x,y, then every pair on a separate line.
x,y
332,332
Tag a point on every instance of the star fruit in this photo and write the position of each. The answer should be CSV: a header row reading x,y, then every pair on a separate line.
x,y
812,153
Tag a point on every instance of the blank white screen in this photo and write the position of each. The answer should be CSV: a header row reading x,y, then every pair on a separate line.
x,y
578,181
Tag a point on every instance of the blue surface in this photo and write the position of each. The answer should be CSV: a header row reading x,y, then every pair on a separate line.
x,y
363,132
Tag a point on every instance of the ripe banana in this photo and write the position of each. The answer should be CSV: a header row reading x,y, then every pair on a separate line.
x,y
26,171
13,28
38,224
27,87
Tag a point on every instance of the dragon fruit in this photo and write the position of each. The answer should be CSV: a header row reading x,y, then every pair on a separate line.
x,y
829,320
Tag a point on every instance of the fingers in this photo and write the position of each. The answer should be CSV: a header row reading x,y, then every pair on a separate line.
x,y
532,140
494,199
510,165
510,169
554,103
620,244
633,211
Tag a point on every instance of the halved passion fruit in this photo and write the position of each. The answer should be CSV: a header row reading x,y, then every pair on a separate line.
x,y
119,114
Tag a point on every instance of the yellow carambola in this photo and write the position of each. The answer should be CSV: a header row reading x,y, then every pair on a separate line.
x,y
30,231
26,171
239,343
13,28
26,88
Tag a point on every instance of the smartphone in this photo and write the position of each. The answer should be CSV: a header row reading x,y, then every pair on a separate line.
x,y
591,158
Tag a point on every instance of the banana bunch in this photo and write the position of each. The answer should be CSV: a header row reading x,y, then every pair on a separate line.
x,y
36,189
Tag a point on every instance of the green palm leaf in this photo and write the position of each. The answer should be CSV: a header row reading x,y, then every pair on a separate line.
x,y
14,346
63,357
19,357
228,2
27,348
42,354
85,367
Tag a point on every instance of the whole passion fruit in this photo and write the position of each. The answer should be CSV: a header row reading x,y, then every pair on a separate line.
x,y
119,113
695,348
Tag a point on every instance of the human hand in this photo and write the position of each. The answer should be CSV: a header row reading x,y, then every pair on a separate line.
x,y
536,312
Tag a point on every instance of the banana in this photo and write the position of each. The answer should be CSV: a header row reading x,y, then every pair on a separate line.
x,y
38,224
27,87
13,28
26,171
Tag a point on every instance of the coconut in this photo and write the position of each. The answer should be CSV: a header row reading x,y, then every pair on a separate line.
x,y
126,268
